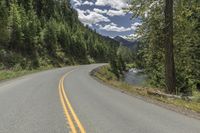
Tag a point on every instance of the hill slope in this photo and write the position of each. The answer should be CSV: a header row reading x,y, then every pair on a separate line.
x,y
126,43
35,33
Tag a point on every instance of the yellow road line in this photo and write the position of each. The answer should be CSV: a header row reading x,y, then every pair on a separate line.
x,y
69,106
66,112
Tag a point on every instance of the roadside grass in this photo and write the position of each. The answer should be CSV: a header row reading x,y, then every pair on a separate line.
x,y
9,74
105,75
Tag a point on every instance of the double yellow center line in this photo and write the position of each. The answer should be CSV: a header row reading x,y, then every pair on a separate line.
x,y
73,121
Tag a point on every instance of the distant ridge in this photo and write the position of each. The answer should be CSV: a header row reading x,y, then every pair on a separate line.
x,y
127,43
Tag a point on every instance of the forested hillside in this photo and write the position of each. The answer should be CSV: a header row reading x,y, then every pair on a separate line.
x,y
35,33
184,39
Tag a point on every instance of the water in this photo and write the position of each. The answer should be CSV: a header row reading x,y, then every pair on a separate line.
x,y
135,77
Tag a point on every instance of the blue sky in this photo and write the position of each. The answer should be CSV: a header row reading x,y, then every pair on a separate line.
x,y
106,16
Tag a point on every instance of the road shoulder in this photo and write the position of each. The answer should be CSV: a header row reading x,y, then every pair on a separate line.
x,y
149,99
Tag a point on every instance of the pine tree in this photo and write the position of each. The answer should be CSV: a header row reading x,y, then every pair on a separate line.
x,y
4,32
169,53
15,24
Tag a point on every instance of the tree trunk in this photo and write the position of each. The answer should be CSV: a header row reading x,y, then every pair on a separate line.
x,y
169,55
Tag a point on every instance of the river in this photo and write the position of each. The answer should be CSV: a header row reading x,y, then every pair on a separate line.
x,y
135,77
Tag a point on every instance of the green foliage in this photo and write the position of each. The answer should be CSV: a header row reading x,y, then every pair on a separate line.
x,y
117,64
36,33
186,42
104,74
4,32
115,68
126,54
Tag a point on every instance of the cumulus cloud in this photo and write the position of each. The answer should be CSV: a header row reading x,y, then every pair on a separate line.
x,y
115,28
116,13
90,17
100,11
131,36
77,3
110,12
88,3
116,4
135,25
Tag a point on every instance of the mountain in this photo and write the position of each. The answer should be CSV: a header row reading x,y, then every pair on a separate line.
x,y
127,43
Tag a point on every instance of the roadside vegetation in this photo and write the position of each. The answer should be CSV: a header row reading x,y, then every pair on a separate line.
x,y
14,73
169,45
167,52
8,74
37,34
106,75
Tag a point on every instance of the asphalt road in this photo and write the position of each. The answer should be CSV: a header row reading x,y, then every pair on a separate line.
x,y
45,102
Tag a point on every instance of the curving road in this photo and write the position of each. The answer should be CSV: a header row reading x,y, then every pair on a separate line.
x,y
69,100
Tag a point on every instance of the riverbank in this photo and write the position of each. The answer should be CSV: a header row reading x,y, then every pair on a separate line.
x,y
185,106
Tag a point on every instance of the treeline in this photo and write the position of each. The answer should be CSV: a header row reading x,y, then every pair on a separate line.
x,y
186,42
36,33
120,59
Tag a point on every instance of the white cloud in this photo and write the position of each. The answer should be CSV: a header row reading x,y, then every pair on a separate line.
x,y
88,3
135,25
90,17
76,3
131,36
115,28
116,13
99,16
100,11
110,12
116,4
